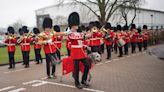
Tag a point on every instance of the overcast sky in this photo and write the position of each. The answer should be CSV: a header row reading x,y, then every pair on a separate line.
x,y
14,10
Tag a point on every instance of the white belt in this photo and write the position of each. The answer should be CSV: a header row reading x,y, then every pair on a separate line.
x,y
76,46
58,42
95,38
10,44
25,44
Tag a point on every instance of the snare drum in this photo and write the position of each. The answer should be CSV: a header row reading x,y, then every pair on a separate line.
x,y
120,42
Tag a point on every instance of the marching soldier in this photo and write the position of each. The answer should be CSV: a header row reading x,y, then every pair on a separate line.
x,y
133,36
140,39
37,47
25,46
11,41
58,41
76,39
21,33
95,40
108,39
119,35
126,39
145,37
47,38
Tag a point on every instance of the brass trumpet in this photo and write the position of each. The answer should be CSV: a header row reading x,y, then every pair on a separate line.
x,y
29,34
94,29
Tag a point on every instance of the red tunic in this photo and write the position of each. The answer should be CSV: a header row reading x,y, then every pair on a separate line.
x,y
140,38
11,44
49,48
68,43
77,47
134,37
127,37
95,40
145,36
37,46
25,44
111,37
58,41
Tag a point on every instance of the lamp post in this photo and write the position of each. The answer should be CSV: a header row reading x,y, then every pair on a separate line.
x,y
151,20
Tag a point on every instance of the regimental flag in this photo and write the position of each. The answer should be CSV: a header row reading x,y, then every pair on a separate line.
x,y
68,65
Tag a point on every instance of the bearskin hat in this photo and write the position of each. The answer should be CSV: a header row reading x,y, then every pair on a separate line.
x,y
119,27
108,26
144,26
79,30
73,19
125,28
133,26
10,30
139,30
21,31
24,29
56,28
47,23
97,24
36,31
114,29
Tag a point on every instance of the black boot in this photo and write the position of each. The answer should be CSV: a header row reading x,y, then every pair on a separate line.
x,y
79,86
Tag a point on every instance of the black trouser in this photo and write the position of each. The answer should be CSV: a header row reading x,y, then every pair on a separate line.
x,y
140,46
96,49
108,48
58,53
102,48
76,70
115,47
133,45
11,59
126,48
38,55
68,51
48,61
23,57
145,44
120,51
26,57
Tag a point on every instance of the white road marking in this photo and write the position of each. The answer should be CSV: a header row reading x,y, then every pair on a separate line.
x,y
7,88
18,90
107,61
71,86
30,82
99,64
15,71
39,84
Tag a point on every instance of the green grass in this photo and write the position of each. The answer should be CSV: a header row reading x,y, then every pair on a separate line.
x,y
18,55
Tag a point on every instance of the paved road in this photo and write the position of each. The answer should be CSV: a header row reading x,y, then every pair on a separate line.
x,y
138,72
158,51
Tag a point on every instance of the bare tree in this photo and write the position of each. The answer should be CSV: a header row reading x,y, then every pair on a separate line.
x,y
105,8
18,24
132,5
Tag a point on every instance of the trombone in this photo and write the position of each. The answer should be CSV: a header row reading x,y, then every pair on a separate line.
x,y
29,34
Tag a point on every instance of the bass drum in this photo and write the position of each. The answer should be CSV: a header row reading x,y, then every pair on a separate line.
x,y
120,42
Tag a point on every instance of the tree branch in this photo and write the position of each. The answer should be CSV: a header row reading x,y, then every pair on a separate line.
x,y
92,2
87,7
109,14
